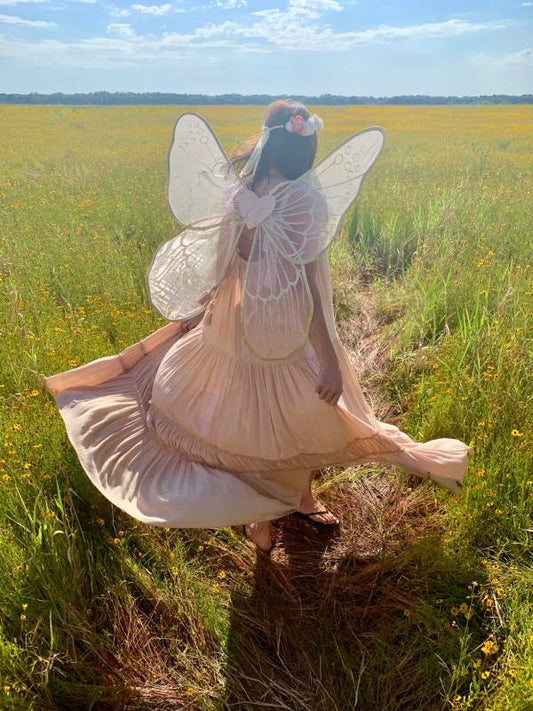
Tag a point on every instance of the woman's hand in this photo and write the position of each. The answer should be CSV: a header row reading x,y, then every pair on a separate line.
x,y
329,383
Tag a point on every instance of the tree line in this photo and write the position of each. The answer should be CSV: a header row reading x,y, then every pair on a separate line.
x,y
106,98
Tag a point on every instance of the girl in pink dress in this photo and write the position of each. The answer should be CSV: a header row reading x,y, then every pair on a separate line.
x,y
220,417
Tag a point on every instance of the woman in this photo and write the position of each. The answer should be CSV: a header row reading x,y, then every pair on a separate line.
x,y
193,426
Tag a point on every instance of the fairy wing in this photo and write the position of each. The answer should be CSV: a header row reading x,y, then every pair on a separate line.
x,y
277,305
200,190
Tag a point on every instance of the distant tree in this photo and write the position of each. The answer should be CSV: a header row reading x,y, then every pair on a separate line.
x,y
106,98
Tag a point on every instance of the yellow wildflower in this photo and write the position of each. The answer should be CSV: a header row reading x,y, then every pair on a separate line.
x,y
516,433
221,574
485,674
34,393
489,647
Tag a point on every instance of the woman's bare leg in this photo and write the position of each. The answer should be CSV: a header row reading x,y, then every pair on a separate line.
x,y
260,532
309,503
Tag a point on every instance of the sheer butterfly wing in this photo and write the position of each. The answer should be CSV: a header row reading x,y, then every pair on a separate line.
x,y
277,305
200,190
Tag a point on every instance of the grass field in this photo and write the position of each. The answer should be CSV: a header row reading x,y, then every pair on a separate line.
x,y
425,601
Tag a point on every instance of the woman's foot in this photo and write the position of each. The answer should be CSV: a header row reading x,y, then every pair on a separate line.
x,y
260,533
310,504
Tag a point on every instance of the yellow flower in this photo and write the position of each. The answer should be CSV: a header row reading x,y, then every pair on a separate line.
x,y
200,548
489,647
34,393
221,574
512,673
480,472
485,674
22,616
457,697
24,605
477,663
191,691
454,611
6,688
463,607
516,433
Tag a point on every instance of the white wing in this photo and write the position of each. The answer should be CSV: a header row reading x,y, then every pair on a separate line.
x,y
277,305
200,189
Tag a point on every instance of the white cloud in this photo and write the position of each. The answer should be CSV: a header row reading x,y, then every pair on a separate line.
x,y
521,58
313,8
527,4
293,30
115,11
19,2
153,9
121,28
230,4
13,20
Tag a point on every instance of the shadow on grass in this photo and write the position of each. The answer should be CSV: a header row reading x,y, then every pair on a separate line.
x,y
359,619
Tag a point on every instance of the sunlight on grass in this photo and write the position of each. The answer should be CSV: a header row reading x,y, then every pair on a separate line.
x,y
425,600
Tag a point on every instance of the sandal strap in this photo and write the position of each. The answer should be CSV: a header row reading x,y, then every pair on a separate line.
x,y
313,513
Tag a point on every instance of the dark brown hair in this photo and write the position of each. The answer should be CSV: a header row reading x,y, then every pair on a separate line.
x,y
289,153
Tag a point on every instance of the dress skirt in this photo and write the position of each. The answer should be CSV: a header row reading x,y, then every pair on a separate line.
x,y
192,430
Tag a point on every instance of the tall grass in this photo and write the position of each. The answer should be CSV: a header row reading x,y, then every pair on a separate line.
x,y
424,600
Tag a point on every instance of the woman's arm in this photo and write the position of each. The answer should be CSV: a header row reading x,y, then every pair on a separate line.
x,y
329,383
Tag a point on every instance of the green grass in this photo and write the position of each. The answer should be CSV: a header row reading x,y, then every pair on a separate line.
x,y
425,600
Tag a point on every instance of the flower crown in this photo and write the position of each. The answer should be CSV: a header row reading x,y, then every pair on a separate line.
x,y
297,124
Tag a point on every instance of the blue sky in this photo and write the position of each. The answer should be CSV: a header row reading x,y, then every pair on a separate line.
x,y
362,47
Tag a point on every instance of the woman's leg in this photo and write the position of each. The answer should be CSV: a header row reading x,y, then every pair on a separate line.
x,y
290,486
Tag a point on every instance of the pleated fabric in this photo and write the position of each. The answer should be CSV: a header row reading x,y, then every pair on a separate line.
x,y
191,429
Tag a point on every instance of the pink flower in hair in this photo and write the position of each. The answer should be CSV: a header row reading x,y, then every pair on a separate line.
x,y
298,124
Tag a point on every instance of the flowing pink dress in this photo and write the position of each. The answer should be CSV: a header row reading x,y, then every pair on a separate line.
x,y
191,429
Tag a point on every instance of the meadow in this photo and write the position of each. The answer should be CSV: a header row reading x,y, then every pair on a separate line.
x,y
425,599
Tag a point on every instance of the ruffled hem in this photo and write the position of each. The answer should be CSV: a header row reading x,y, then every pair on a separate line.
x,y
103,405
173,478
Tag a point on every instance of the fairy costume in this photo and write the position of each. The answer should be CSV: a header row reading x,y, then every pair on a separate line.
x,y
222,425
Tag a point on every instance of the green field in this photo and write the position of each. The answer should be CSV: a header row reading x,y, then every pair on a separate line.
x,y
425,601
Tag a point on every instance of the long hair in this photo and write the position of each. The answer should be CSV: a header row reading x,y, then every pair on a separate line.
x,y
289,153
